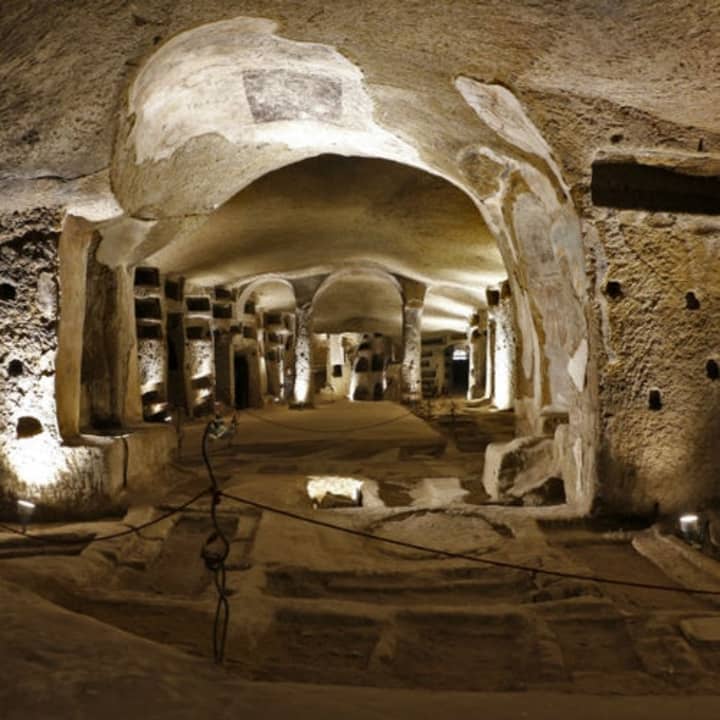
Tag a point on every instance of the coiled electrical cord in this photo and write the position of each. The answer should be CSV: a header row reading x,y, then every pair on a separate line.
x,y
217,547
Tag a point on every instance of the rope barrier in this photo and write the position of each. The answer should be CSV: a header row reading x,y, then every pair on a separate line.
x,y
463,556
216,548
126,460
131,530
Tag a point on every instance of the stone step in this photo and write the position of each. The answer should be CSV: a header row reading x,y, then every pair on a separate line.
x,y
457,586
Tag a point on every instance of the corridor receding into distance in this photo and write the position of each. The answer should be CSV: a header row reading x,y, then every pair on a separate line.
x,y
359,359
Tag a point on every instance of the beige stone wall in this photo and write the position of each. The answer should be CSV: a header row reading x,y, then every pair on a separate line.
x,y
651,339
34,462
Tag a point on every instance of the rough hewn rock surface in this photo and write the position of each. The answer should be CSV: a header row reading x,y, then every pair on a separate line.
x,y
423,85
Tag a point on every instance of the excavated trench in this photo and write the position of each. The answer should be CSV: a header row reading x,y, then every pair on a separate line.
x,y
309,605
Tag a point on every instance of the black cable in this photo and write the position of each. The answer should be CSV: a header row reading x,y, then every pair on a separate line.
x,y
216,549
132,529
329,430
463,556
126,460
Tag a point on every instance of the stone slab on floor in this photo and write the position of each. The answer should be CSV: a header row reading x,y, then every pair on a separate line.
x,y
705,630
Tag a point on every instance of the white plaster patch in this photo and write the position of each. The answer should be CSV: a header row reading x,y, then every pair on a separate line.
x,y
96,207
527,331
566,237
577,454
501,111
438,491
236,79
120,238
577,365
47,295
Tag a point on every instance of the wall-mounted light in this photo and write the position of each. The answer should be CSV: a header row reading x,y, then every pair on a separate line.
x,y
25,511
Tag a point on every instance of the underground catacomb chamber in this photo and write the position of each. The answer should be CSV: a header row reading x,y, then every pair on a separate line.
x,y
397,365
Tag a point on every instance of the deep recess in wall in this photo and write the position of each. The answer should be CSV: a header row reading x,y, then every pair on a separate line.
x,y
149,332
613,289
198,304
632,186
712,369
28,427
7,291
654,400
148,309
147,276
691,301
173,290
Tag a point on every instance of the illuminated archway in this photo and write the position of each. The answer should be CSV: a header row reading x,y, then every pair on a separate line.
x,y
185,146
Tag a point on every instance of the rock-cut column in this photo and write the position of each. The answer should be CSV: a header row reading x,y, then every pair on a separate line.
x,y
504,350
302,388
477,347
412,347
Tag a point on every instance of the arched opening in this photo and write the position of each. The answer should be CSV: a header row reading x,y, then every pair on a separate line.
x,y
458,362
262,346
452,317
361,309
438,319
301,194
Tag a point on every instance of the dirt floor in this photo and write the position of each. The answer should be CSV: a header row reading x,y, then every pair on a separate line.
x,y
126,625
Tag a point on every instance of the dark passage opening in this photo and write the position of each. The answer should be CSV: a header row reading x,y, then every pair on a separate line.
x,y
655,400
712,369
457,364
623,184
242,382
198,304
176,360
147,276
148,308
613,289
7,291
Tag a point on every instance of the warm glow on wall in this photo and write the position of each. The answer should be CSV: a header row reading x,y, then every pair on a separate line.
x,y
302,386
503,368
35,460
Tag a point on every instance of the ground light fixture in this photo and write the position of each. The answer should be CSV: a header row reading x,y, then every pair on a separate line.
x,y
691,528
343,491
25,511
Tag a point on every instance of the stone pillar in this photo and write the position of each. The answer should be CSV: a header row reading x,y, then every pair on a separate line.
x,y
412,347
224,375
75,241
303,385
477,356
125,370
489,359
504,342
336,359
110,377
